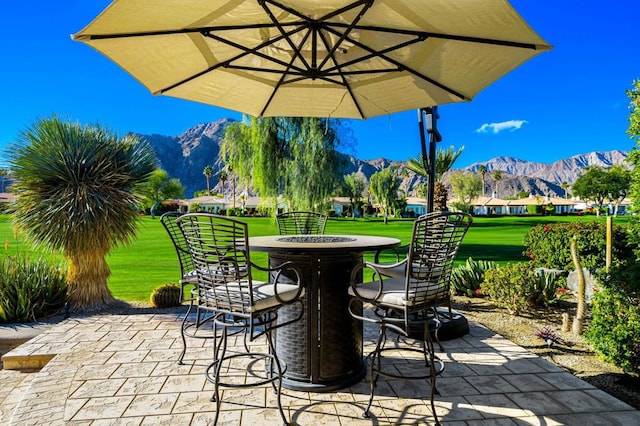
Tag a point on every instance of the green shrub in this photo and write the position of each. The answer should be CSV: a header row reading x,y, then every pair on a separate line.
x,y
519,287
467,278
614,331
30,290
548,245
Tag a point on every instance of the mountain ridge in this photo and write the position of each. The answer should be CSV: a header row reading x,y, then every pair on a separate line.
x,y
185,156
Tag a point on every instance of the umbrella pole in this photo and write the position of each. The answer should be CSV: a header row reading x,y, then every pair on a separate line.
x,y
429,162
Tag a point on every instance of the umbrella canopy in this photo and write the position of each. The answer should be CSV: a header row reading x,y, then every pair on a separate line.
x,y
316,58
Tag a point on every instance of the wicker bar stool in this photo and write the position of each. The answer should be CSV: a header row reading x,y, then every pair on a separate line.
x,y
400,302
220,250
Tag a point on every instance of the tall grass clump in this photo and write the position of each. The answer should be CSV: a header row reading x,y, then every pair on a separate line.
x,y
30,289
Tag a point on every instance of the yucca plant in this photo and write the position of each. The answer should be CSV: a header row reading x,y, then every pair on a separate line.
x,y
75,187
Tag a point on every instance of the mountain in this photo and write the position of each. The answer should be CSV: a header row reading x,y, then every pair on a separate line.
x,y
186,155
558,171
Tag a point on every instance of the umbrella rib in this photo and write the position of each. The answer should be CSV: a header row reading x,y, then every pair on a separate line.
x,y
86,37
342,77
245,51
405,68
373,55
323,18
255,50
425,35
331,51
285,35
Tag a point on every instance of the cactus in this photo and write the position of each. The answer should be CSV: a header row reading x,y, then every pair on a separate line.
x,y
166,296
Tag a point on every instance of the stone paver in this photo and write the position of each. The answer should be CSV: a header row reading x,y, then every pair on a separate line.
x,y
121,370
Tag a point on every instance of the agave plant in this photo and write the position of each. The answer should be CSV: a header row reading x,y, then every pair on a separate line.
x,y
467,278
75,187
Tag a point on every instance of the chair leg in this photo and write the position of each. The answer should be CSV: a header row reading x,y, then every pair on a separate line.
x,y
217,363
374,365
429,355
183,330
277,383
438,325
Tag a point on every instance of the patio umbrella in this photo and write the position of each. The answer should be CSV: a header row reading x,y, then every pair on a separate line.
x,y
316,58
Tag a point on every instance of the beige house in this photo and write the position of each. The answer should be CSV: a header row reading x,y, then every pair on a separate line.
x,y
492,205
207,203
417,204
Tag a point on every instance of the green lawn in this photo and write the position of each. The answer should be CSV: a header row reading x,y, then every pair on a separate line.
x,y
151,261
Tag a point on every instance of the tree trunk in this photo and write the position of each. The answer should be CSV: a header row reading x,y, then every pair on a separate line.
x,y
579,319
87,282
440,195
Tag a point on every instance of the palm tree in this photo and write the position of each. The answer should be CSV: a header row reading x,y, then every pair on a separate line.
x,y
482,170
233,184
565,186
444,162
3,175
208,172
497,175
76,195
223,176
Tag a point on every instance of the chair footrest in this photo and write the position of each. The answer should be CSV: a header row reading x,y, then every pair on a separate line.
x,y
373,358
254,375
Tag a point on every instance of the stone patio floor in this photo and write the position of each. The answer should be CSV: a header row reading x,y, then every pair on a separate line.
x,y
115,369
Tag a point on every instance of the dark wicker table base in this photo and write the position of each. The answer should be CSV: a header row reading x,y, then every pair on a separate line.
x,y
323,351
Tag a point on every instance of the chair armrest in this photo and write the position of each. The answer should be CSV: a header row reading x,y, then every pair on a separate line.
x,y
355,283
384,268
398,251
279,278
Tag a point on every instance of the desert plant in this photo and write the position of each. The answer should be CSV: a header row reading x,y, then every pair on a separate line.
x,y
467,278
30,289
166,296
76,186
520,286
549,336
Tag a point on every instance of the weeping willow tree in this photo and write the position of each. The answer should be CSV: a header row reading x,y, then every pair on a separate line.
x,y
290,156
384,186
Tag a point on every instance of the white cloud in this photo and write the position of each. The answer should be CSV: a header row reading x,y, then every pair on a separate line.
x,y
511,125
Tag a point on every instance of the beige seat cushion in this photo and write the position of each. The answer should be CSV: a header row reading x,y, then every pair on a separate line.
x,y
264,294
394,295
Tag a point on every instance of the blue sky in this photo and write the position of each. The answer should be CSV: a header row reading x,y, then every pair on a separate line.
x,y
568,101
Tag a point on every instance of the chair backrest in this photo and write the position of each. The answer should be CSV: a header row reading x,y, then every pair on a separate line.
x,y
219,247
291,223
168,220
434,245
